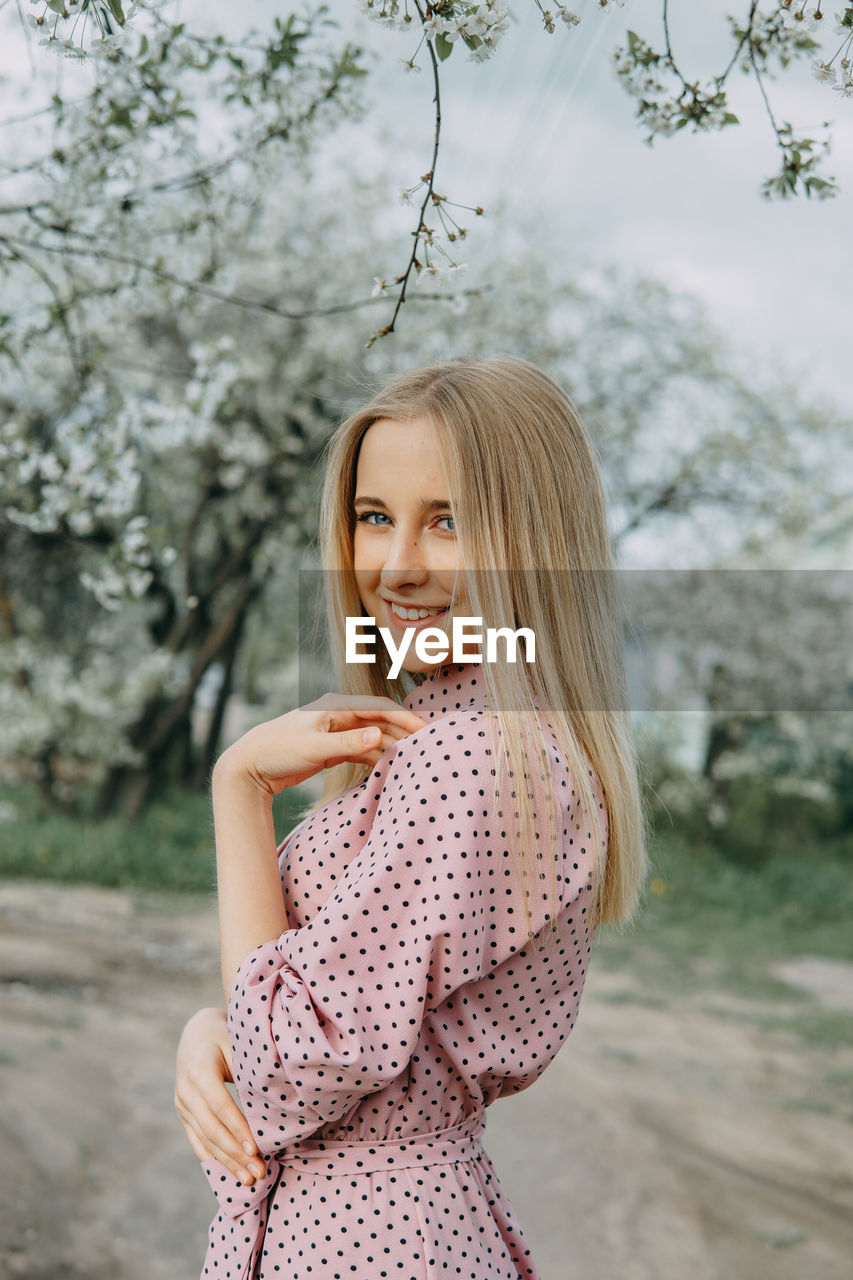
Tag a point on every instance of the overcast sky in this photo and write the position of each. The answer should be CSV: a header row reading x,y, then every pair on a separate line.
x,y
544,136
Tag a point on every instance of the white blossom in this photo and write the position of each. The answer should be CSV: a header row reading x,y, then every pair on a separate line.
x,y
478,24
107,46
823,71
434,26
844,21
430,272
798,17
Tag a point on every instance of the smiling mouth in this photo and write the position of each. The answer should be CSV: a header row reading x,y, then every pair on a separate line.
x,y
415,622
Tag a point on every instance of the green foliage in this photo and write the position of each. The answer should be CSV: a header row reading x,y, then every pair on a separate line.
x,y
763,823
700,906
778,784
169,849
700,903
800,157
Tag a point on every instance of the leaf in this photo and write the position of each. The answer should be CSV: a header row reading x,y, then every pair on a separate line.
x,y
730,118
58,6
116,10
443,46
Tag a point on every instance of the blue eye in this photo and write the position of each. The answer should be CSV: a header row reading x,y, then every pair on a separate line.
x,y
364,518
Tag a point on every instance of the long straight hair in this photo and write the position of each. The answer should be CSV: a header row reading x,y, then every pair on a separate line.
x,y
529,510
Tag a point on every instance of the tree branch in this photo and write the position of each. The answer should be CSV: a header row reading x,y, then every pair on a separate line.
x,y
429,178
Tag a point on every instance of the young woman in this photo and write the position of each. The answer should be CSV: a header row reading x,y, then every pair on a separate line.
x,y
419,947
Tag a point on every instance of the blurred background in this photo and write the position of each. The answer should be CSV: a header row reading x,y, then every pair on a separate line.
x,y
199,236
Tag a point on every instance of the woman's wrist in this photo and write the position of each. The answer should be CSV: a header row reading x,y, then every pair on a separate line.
x,y
232,773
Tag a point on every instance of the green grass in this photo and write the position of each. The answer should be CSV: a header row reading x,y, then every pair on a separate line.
x,y
710,924
699,903
170,849
819,1028
704,919
635,998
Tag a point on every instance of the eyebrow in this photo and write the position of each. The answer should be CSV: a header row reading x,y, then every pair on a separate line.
x,y
424,506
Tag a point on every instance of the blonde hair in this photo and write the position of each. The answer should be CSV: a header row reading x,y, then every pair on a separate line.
x,y
527,500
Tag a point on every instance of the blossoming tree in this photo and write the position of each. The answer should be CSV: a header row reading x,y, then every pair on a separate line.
x,y
173,359
765,38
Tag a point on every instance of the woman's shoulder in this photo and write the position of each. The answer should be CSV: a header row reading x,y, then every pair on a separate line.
x,y
460,738
467,744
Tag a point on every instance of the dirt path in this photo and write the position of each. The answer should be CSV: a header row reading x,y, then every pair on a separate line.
x,y
673,1136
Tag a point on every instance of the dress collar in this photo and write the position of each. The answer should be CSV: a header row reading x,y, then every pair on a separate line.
x,y
448,688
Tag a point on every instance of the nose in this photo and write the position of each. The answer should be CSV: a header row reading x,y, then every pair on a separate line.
x,y
404,562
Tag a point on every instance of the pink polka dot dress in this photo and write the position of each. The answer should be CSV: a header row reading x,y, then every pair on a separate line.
x,y
369,1039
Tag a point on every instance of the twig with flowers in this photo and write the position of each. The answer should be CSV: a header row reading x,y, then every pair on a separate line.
x,y
441,24
668,102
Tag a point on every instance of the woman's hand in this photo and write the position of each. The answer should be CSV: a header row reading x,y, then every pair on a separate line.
x,y
331,730
214,1123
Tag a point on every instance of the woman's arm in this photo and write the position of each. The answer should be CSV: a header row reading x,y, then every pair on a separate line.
x,y
278,754
251,904
273,756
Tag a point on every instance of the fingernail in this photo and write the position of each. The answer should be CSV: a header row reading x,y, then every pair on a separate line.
x,y
369,736
245,1176
248,1148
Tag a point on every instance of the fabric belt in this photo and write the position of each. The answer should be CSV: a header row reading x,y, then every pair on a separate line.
x,y
444,1146
244,1210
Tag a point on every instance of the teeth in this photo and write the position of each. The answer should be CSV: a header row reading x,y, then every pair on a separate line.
x,y
412,615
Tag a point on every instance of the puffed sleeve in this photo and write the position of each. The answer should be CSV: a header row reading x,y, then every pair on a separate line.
x,y
330,1012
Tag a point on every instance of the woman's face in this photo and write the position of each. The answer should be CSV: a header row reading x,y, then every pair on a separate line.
x,y
405,551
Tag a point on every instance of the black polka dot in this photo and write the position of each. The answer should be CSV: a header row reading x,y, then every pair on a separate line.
x,y
369,1039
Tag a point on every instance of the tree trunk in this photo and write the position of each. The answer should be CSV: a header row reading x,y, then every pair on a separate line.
x,y
207,758
110,790
161,724
723,735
